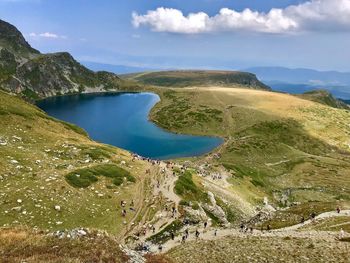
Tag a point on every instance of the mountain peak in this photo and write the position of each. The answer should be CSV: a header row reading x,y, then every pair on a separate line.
x,y
11,38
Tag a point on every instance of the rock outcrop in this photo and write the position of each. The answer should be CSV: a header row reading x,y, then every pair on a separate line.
x,y
24,70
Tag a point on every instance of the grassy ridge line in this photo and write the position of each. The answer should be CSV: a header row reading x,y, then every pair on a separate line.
x,y
188,78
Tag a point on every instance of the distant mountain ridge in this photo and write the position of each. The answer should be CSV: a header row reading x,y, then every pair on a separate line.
x,y
26,71
298,81
117,69
302,75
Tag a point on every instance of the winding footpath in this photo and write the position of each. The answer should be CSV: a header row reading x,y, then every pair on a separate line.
x,y
291,232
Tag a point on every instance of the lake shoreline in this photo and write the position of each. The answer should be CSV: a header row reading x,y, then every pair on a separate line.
x,y
201,145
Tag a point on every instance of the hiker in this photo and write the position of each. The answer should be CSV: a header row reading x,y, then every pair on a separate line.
x,y
338,210
197,234
183,240
313,215
153,229
242,227
186,233
174,211
205,224
124,213
215,232
251,230
160,247
172,235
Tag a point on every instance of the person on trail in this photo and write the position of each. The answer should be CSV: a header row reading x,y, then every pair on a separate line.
x,y
338,210
186,233
183,240
160,247
153,229
174,211
124,213
313,215
172,235
215,232
197,234
205,224
251,230
242,227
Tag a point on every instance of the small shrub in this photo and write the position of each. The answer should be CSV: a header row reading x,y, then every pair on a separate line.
x,y
81,179
89,175
118,181
164,235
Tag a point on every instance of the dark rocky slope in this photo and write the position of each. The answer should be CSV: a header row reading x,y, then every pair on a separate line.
x,y
24,70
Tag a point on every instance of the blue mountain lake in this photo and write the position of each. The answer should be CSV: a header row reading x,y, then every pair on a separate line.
x,y
121,119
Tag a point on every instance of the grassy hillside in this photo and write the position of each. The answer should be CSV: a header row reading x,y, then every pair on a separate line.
x,y
18,245
46,166
250,248
187,78
292,150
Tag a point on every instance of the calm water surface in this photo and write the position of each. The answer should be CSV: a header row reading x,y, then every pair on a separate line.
x,y
122,120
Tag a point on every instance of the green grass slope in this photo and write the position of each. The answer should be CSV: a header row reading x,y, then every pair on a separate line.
x,y
53,176
293,151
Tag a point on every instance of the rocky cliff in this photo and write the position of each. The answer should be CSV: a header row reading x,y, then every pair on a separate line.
x,y
26,71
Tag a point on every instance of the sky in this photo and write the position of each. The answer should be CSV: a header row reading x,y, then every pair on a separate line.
x,y
212,34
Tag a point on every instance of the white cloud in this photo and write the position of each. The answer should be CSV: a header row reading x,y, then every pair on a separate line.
x,y
327,15
47,35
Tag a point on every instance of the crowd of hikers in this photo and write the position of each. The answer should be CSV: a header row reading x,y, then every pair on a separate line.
x,y
173,213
